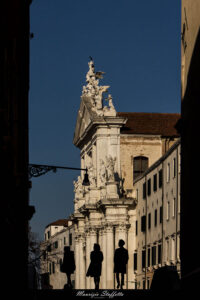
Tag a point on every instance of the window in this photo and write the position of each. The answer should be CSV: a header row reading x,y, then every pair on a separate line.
x,y
168,172
179,204
149,220
64,240
178,247
143,223
159,254
143,259
167,211
149,257
53,267
44,255
173,249
135,261
160,178
153,255
136,227
149,187
179,163
155,217
60,263
144,190
155,182
174,167
167,250
148,284
161,214
140,164
143,283
48,234
70,239
49,248
56,244
50,268
174,208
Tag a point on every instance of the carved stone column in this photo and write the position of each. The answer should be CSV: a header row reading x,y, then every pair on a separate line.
x,y
82,273
88,249
93,240
77,261
104,263
110,256
121,233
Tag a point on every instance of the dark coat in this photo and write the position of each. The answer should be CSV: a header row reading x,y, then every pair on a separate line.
x,y
96,258
68,265
120,260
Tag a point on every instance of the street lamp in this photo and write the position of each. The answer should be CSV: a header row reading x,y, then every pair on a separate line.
x,y
36,170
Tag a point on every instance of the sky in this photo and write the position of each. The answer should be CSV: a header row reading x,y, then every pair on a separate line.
x,y
137,45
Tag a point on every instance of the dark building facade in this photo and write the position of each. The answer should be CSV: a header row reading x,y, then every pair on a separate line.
x,y
14,183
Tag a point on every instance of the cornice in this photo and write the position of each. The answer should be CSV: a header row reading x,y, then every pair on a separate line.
x,y
100,122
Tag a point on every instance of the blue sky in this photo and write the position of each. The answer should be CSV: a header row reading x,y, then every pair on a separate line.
x,y
137,44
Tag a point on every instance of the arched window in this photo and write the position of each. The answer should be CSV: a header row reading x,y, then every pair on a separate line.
x,y
140,164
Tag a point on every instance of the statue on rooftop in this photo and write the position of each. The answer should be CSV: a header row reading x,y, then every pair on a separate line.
x,y
93,90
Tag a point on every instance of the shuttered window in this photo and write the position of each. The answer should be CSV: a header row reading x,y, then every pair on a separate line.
x,y
140,164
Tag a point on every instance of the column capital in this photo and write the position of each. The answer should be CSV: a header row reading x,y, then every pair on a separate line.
x,y
123,227
109,227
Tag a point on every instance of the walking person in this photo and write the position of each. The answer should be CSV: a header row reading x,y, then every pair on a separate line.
x,y
120,262
94,270
68,265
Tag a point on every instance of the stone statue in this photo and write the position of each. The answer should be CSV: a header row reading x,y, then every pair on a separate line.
x,y
78,188
110,110
110,168
91,174
93,90
102,172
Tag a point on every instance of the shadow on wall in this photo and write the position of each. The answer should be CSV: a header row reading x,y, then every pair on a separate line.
x,y
166,279
189,130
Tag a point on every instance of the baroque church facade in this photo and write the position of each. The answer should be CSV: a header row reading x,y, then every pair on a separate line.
x,y
115,148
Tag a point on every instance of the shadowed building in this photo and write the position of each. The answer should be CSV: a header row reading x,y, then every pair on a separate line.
x,y
189,130
14,184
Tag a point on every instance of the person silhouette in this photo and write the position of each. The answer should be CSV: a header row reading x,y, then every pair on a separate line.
x,y
94,269
120,262
68,265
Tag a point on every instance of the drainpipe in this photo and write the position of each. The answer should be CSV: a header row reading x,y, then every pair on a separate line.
x,y
177,195
162,214
146,234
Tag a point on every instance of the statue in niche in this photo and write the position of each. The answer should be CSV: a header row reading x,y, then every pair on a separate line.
x,y
91,174
110,168
102,172
78,188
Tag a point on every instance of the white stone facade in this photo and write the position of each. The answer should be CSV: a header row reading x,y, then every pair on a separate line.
x,y
105,211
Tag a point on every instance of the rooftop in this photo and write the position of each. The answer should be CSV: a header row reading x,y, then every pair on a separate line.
x,y
61,222
150,123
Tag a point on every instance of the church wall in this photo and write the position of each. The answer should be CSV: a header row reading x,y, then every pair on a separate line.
x,y
132,146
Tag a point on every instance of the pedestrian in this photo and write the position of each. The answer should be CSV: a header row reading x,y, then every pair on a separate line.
x,y
120,262
94,270
68,265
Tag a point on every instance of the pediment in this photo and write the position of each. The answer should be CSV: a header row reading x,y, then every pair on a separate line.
x,y
84,118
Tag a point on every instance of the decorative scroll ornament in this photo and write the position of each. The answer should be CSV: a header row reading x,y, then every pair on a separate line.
x,y
37,170
95,92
